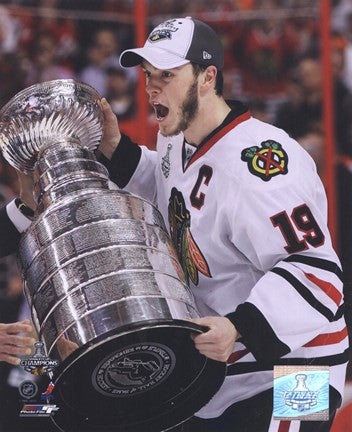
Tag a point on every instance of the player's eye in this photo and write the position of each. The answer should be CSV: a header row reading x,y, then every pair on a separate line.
x,y
146,73
166,74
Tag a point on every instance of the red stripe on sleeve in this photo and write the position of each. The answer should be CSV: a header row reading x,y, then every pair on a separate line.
x,y
237,355
328,338
284,426
329,289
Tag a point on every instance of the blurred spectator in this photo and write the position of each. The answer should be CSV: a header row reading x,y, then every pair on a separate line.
x,y
106,41
341,23
258,109
102,55
232,83
343,133
12,76
94,73
43,65
119,93
307,34
131,127
302,116
266,50
9,31
63,30
347,52
339,17
170,7
242,4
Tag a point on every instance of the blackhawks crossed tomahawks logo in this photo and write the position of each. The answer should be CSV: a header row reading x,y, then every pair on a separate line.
x,y
191,258
267,161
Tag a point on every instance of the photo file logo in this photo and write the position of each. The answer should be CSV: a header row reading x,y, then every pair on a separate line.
x,y
38,410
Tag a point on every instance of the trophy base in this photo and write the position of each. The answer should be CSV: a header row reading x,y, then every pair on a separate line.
x,y
146,377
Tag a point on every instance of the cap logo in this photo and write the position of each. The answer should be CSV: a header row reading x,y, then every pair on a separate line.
x,y
206,55
160,35
163,31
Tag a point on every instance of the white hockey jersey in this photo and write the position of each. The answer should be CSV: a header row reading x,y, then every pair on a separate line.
x,y
248,215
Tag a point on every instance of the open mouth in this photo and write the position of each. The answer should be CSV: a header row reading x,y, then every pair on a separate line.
x,y
161,111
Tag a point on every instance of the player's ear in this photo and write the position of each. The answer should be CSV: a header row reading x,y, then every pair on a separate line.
x,y
208,79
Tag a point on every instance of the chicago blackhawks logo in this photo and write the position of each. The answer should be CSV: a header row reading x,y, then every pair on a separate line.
x,y
191,258
267,161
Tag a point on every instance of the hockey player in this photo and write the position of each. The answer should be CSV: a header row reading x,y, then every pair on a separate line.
x,y
248,216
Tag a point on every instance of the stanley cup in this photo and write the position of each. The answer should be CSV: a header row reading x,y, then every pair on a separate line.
x,y
107,294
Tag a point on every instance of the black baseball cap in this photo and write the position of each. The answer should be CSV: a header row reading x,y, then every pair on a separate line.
x,y
176,42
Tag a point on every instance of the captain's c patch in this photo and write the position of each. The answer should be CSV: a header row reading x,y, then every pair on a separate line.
x,y
266,161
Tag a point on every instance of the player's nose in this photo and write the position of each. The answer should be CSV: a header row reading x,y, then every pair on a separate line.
x,y
153,87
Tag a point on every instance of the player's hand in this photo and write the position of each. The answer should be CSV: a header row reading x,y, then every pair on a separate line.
x,y
11,344
26,183
111,131
218,342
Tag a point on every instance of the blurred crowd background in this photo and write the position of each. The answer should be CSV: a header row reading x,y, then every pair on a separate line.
x,y
272,62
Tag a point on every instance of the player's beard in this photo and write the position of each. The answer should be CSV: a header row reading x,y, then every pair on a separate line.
x,y
189,110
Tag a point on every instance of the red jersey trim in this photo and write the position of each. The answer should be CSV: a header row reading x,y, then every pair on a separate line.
x,y
329,289
328,338
237,355
284,426
215,138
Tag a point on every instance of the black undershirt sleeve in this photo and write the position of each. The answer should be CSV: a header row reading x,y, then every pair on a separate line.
x,y
124,161
256,333
9,236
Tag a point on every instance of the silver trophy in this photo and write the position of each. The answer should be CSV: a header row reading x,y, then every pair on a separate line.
x,y
107,294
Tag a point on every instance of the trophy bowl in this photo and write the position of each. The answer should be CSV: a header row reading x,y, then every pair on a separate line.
x,y
47,112
107,293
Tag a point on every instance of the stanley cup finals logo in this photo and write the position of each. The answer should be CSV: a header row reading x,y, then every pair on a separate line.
x,y
39,363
